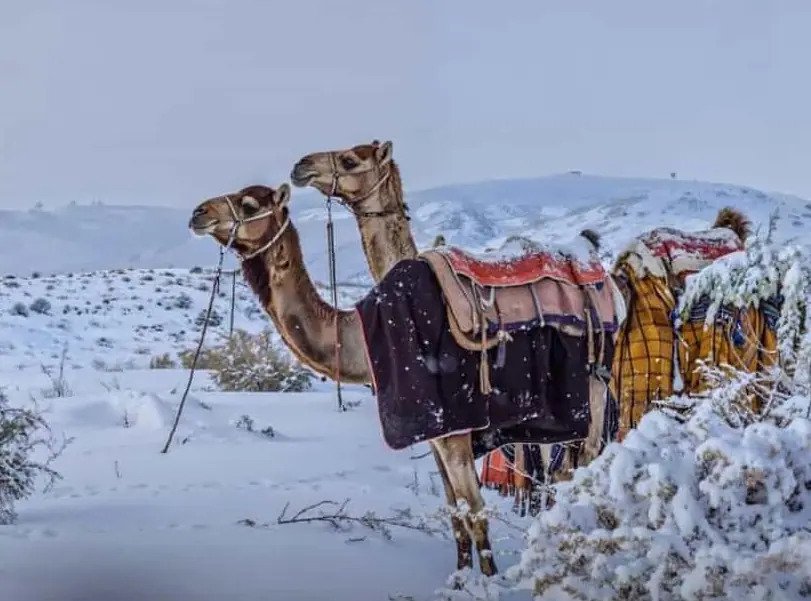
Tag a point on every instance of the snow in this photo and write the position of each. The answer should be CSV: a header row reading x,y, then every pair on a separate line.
x,y
126,522
681,511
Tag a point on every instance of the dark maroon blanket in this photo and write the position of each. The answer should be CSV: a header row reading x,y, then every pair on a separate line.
x,y
428,386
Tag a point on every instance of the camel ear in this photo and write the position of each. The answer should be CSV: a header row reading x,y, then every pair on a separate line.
x,y
383,153
282,195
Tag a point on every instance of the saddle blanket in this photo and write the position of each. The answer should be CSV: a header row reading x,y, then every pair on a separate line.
x,y
427,385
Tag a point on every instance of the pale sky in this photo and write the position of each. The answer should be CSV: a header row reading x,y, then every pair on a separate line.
x,y
170,101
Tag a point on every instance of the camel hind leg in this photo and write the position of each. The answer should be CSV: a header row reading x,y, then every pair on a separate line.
x,y
464,544
456,454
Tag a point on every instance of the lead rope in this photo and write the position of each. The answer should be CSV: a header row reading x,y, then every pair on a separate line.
x,y
215,285
333,282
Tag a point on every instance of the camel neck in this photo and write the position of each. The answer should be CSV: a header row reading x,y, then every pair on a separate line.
x,y
386,238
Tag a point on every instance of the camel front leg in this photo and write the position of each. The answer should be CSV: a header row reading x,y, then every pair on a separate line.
x,y
464,544
456,453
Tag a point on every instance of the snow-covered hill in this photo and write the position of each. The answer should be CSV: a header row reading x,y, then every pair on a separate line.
x,y
472,215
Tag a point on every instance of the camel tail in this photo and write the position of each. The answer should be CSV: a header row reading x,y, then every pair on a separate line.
x,y
592,237
734,220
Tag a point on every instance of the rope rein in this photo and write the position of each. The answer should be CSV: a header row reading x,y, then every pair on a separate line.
x,y
333,283
215,285
401,209
237,222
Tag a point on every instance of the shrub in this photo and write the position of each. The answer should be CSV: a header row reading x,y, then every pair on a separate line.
x,y
213,321
706,498
40,306
247,423
23,433
251,363
19,309
163,361
184,301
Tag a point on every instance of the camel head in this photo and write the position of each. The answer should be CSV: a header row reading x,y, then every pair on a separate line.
x,y
353,175
255,216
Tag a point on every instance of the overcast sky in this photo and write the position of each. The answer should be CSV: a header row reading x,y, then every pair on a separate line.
x,y
170,101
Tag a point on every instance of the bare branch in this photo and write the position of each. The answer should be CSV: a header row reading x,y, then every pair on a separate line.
x,y
341,520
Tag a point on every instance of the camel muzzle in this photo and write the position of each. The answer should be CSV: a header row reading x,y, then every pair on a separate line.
x,y
302,173
201,225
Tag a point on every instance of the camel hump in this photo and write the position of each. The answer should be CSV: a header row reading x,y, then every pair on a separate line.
x,y
734,220
592,237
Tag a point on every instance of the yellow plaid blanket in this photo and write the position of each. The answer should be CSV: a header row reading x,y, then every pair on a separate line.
x,y
649,350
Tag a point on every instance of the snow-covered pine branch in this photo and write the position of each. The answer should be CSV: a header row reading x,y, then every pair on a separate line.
x,y
27,449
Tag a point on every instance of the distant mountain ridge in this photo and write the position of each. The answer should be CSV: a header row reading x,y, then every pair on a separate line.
x,y
477,216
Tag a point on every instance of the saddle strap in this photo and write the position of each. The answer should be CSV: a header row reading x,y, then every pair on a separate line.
x,y
484,364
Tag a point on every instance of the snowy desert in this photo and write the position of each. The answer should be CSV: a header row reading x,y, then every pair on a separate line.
x,y
124,521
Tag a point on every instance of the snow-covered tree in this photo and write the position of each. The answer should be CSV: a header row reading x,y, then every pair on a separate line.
x,y
26,452
709,502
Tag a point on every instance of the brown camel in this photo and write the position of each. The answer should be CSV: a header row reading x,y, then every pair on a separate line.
x,y
367,181
256,223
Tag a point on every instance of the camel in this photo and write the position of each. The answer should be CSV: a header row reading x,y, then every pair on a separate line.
x,y
255,223
366,179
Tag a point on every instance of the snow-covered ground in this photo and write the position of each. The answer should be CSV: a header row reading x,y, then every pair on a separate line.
x,y
126,522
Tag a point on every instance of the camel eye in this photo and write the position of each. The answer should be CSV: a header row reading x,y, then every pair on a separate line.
x,y
249,205
348,163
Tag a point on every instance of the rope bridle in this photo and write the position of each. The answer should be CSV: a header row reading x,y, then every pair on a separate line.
x,y
237,222
352,204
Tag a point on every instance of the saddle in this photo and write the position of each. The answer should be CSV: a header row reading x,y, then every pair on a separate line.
x,y
486,299
673,254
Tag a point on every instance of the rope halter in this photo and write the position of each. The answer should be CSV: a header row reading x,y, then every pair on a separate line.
x,y
238,222
351,204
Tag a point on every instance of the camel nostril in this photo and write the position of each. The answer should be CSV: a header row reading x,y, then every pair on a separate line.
x,y
198,211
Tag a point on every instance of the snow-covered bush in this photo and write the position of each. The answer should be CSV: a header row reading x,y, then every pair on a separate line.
x,y
19,309
26,452
252,363
183,301
163,361
761,272
214,320
709,502
40,306
698,510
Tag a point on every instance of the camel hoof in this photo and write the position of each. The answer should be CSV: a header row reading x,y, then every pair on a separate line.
x,y
458,579
488,567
